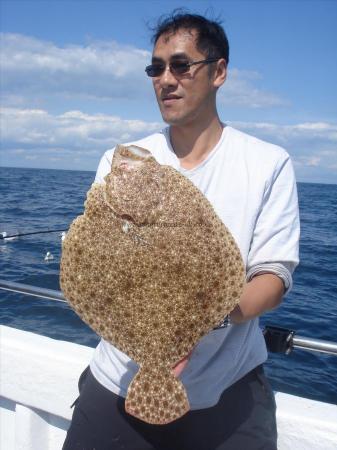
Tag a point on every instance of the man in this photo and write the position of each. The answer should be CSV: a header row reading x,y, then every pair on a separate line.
x,y
251,186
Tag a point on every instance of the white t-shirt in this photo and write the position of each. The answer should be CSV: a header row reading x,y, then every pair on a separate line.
x,y
252,187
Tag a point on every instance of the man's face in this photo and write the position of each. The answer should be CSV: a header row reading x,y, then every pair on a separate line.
x,y
188,98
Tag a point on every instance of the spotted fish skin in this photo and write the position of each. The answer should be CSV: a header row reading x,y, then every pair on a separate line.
x,y
151,268
163,397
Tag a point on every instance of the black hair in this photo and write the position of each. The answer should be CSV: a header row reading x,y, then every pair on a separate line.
x,y
211,37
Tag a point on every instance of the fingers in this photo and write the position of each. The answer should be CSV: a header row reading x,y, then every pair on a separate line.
x,y
180,366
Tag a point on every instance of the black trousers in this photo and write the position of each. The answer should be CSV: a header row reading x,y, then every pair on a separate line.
x,y
243,419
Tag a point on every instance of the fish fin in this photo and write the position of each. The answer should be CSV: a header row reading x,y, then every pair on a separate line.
x,y
156,396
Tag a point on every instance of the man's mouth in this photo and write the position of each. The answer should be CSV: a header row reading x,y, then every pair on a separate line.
x,y
170,98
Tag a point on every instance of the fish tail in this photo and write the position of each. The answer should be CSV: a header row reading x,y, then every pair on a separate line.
x,y
156,396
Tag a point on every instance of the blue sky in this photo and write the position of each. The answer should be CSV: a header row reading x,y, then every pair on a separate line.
x,y
73,81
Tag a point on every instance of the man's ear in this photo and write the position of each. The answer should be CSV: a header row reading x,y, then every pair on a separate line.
x,y
220,73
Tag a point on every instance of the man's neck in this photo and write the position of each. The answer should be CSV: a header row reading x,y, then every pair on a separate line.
x,y
192,144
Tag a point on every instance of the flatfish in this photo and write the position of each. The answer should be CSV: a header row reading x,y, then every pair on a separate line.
x,y
152,269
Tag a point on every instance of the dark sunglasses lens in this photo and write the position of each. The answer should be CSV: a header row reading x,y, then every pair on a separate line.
x,y
154,70
179,67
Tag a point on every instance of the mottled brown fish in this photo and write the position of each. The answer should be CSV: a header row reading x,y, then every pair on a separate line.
x,y
151,268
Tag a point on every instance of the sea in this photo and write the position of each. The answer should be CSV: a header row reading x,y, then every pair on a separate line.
x,y
34,200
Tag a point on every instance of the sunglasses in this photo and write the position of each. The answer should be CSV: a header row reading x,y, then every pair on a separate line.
x,y
176,67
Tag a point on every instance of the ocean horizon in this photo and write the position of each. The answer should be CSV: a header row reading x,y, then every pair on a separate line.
x,y
94,171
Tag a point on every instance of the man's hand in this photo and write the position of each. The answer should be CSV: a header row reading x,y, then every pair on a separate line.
x,y
178,368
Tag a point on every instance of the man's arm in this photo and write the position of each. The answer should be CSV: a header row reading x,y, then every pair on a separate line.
x,y
263,293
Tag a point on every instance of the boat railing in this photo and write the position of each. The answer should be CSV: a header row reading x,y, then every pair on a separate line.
x,y
35,291
279,340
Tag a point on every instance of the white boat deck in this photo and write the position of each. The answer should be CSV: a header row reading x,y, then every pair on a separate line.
x,y
38,382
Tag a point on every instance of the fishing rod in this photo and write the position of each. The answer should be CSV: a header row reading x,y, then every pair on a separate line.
x,y
278,340
5,236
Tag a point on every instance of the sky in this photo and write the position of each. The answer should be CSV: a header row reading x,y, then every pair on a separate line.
x,y
73,83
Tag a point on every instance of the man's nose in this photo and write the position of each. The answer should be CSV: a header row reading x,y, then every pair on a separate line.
x,y
167,78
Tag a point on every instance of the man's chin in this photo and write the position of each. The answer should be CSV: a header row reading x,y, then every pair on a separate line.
x,y
178,120
170,117
173,120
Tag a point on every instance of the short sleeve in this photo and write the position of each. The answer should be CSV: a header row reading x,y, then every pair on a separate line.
x,y
104,166
275,240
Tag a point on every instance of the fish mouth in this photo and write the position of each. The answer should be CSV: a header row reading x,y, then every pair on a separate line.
x,y
130,158
138,151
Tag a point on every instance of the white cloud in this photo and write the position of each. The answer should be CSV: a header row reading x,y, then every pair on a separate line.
x,y
32,68
98,70
319,132
311,161
73,130
30,132
240,91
